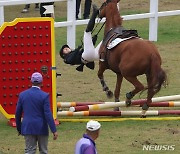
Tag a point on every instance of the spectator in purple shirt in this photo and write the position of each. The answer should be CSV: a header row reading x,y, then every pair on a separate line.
x,y
86,145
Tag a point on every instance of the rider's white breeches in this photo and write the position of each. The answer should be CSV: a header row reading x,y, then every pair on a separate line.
x,y
90,52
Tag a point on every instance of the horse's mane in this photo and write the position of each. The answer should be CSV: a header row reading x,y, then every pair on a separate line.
x,y
114,13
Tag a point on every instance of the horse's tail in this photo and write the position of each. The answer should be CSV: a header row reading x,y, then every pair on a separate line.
x,y
158,75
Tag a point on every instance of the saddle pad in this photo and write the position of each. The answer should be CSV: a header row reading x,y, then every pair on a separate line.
x,y
117,41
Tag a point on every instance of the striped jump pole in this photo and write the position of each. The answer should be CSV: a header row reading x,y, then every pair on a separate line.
x,y
136,104
159,104
122,103
72,104
119,113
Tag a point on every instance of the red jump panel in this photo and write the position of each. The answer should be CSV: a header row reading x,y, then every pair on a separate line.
x,y
26,46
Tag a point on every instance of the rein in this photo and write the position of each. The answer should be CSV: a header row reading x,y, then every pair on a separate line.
x,y
96,35
100,27
104,4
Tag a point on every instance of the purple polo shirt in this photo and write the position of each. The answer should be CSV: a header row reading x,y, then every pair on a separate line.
x,y
85,146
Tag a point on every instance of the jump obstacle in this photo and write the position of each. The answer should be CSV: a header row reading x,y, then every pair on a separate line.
x,y
119,113
27,46
155,103
134,103
121,104
97,108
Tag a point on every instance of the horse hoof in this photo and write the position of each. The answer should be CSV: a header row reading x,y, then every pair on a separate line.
x,y
109,94
128,103
145,107
143,116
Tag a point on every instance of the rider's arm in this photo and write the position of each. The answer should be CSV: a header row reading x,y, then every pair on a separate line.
x,y
74,57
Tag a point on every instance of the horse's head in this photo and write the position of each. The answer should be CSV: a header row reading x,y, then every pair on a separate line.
x,y
103,9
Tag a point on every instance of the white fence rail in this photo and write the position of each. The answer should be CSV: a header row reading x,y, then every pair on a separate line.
x,y
72,22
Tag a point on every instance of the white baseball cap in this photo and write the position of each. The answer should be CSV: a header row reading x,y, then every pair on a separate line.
x,y
93,125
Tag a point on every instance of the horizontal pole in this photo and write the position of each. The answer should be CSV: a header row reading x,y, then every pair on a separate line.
x,y
168,13
126,17
122,104
119,113
159,104
137,103
138,16
70,104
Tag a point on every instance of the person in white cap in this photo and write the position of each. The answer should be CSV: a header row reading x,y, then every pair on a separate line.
x,y
34,107
86,145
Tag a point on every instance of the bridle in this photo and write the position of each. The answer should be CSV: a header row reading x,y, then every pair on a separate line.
x,y
104,4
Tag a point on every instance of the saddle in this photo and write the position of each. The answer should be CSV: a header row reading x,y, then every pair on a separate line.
x,y
118,32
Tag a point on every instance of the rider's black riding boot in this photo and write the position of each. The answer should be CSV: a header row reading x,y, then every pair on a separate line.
x,y
91,22
90,65
80,68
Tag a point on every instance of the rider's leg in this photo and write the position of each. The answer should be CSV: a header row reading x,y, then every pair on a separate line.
x,y
91,22
89,51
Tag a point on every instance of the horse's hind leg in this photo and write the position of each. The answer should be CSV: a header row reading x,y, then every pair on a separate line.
x,y
150,94
101,70
138,87
117,89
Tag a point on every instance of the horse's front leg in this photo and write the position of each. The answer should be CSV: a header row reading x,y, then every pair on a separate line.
x,y
117,89
102,68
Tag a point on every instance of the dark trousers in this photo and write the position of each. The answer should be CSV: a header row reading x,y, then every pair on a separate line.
x,y
27,6
87,8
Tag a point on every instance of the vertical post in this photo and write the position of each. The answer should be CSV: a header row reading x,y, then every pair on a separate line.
x,y
153,21
71,30
1,15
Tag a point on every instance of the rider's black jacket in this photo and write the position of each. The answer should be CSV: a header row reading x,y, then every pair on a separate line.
x,y
74,57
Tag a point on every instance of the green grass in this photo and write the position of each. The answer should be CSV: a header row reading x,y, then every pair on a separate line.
x,y
115,137
171,34
127,137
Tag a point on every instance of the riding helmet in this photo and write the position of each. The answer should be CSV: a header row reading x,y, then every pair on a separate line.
x,y
61,50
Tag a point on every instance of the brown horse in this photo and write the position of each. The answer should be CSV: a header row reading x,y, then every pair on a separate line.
x,y
128,59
